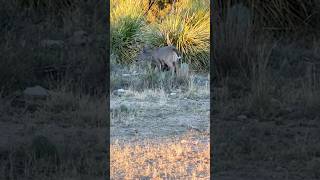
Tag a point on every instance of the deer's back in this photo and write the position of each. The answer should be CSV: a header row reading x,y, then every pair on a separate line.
x,y
165,54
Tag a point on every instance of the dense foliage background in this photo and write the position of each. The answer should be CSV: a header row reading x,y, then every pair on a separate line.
x,y
182,23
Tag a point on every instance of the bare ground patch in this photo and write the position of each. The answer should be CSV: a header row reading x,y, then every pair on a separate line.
x,y
160,133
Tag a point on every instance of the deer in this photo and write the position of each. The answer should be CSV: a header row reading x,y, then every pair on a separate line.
x,y
163,58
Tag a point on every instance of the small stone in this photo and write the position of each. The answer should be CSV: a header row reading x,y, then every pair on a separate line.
x,y
36,91
119,92
126,75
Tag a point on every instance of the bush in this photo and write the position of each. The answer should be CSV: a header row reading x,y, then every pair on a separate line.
x,y
188,28
185,24
126,22
124,39
233,39
284,15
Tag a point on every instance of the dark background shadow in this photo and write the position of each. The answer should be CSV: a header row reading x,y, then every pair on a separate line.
x,y
54,76
265,90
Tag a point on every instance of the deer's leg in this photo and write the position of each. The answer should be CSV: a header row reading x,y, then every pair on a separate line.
x,y
176,68
160,65
171,67
165,68
153,66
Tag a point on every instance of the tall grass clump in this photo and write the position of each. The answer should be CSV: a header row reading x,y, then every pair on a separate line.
x,y
285,14
52,5
233,39
57,8
281,15
26,61
238,20
126,23
310,91
188,28
193,5
262,86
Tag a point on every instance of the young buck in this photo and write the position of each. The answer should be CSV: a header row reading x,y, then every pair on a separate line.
x,y
163,58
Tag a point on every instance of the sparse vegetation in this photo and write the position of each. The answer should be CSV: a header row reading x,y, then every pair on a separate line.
x,y
148,105
62,137
260,63
36,49
59,47
265,75
127,20
172,158
145,106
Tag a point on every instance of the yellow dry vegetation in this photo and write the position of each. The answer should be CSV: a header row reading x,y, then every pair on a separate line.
x,y
180,158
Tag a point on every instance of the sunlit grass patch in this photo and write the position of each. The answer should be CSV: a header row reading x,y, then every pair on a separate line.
x,y
188,29
171,158
126,21
126,8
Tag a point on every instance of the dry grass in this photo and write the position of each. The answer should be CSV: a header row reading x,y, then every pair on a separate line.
x,y
281,15
25,61
62,136
181,158
266,97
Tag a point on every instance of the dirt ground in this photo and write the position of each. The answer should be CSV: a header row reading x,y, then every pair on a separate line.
x,y
285,147
161,118
45,144
157,116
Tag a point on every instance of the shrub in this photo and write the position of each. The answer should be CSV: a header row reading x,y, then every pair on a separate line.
x,y
188,28
285,15
233,39
126,22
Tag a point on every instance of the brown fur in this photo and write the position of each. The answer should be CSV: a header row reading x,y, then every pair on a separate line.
x,y
162,58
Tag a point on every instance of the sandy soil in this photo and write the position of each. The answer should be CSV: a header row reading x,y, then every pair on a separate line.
x,y
157,115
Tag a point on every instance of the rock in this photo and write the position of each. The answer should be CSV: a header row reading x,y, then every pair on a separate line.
x,y
119,92
36,91
48,43
173,94
126,75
